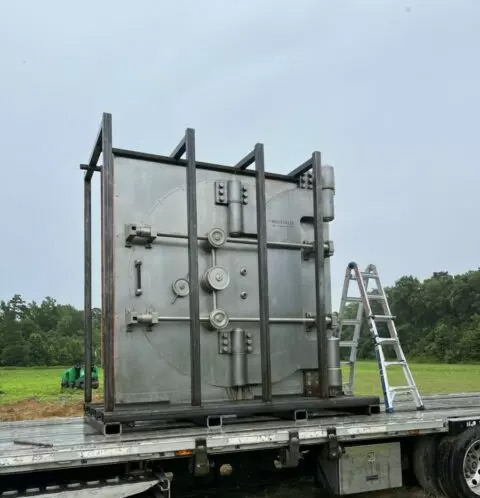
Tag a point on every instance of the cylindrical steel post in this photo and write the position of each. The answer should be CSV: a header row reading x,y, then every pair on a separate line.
x,y
328,188
87,296
239,358
322,340
263,274
235,207
334,367
108,284
195,353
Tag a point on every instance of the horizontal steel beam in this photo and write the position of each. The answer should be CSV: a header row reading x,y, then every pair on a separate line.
x,y
180,149
246,161
250,319
88,168
238,240
300,170
162,411
144,156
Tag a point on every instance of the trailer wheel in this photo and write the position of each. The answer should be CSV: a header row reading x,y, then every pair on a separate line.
x,y
424,464
459,464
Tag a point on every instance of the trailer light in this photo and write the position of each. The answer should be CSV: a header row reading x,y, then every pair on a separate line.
x,y
184,453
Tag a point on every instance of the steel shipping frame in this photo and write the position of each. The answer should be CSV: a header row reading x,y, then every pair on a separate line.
x,y
131,413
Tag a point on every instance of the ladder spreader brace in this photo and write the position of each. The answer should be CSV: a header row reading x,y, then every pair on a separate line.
x,y
365,309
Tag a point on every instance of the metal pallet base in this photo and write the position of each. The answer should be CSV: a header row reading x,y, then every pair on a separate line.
x,y
213,414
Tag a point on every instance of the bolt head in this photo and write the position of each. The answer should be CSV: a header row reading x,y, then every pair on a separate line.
x,y
249,349
225,349
249,341
225,334
225,342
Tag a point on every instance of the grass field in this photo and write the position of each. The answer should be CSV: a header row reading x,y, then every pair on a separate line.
x,y
35,392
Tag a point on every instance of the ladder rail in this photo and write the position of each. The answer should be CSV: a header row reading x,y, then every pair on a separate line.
x,y
394,334
349,386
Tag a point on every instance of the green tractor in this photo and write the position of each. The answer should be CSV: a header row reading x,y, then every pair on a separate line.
x,y
75,377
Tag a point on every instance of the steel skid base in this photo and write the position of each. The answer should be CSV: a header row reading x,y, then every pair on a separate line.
x,y
215,414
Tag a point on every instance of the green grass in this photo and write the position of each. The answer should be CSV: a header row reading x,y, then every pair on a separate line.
x,y
43,384
40,383
431,378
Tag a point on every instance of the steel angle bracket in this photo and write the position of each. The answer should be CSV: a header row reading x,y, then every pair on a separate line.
x,y
290,456
138,232
200,461
334,450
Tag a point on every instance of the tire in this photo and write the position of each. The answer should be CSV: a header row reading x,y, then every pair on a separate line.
x,y
458,464
424,464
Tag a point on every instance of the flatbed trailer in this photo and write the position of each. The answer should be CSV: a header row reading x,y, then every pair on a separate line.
x,y
60,456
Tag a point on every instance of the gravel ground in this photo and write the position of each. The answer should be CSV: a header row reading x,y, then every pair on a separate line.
x,y
309,491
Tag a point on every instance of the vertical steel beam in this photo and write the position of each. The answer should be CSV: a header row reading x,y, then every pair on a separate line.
x,y
320,299
263,274
195,356
108,238
87,307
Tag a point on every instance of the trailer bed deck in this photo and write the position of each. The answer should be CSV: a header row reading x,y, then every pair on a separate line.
x,y
70,443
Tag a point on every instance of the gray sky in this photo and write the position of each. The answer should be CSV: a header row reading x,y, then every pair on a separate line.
x,y
389,91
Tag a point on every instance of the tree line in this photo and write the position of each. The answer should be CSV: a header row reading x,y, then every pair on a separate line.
x,y
437,319
47,333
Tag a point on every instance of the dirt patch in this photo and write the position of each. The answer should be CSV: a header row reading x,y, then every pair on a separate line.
x,y
30,409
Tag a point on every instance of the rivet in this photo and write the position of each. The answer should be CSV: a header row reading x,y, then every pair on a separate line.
x,y
225,334
243,295
249,335
249,349
225,349
243,271
249,341
225,342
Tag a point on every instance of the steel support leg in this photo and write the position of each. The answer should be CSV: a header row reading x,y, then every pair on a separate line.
x,y
88,288
108,287
320,301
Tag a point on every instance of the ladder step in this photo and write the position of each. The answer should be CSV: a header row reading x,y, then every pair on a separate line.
x,y
371,297
347,344
402,388
350,321
394,363
382,318
370,275
386,340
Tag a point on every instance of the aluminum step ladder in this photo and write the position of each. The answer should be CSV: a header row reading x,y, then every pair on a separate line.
x,y
365,309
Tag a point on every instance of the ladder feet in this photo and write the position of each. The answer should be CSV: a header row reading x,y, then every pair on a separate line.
x,y
389,410
421,408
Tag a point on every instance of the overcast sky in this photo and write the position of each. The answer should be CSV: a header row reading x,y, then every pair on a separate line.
x,y
388,91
